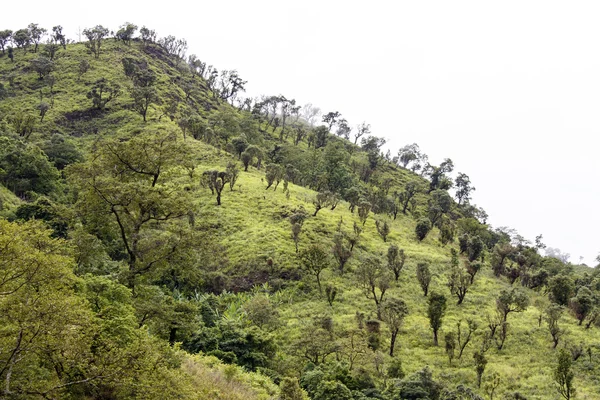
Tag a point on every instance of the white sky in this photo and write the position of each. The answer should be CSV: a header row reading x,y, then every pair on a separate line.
x,y
509,90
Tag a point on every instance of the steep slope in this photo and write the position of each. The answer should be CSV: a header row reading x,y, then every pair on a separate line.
x,y
230,281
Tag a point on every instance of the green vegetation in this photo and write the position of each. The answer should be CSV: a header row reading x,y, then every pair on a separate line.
x,y
140,260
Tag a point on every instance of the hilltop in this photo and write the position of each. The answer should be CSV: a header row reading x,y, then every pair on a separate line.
x,y
183,223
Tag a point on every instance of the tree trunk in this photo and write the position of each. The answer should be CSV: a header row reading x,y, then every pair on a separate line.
x,y
393,342
435,337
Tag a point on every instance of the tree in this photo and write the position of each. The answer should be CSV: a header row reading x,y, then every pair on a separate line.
x,y
480,363
393,312
553,314
436,308
563,375
130,181
314,260
372,276
126,32
407,196
450,340
290,390
422,228
84,66
320,136
512,300
396,259
583,304
274,174
215,181
383,228
42,65
361,130
462,339
95,36
58,37
459,282
148,36
424,276
561,288
439,204
142,98
341,251
5,38
103,92
43,107
331,118
322,200
463,188
364,208
22,39
36,33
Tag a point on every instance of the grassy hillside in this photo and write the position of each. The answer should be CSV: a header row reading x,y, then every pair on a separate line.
x,y
226,280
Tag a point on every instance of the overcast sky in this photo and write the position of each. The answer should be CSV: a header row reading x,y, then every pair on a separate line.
x,y
510,90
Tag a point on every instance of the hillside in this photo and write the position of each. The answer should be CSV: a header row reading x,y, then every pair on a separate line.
x,y
182,222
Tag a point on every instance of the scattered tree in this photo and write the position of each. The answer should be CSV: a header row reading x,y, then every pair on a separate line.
x,y
396,259
563,375
393,312
553,314
383,228
372,276
95,36
436,308
314,261
424,276
422,228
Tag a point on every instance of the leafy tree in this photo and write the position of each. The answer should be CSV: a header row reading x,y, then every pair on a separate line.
x,y
424,276
127,180
563,375
474,248
436,308
95,36
364,208
459,283
290,390
463,188
84,66
22,39
396,259
314,261
583,305
553,314
62,151
512,300
36,33
43,107
274,174
341,251
407,196
126,32
320,133
480,364
322,200
25,168
148,36
422,228
5,38
393,312
473,268
383,228
216,182
143,97
419,385
58,37
331,119
372,276
240,144
561,288
438,205
42,65
103,92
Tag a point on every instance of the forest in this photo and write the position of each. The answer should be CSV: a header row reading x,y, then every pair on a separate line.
x,y
162,236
